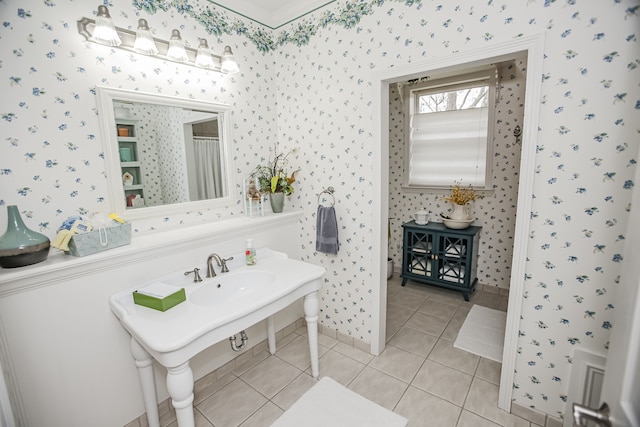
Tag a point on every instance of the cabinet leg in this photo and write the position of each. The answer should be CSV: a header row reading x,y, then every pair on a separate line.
x,y
180,387
311,311
466,296
404,281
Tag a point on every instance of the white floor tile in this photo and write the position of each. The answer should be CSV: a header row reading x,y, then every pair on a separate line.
x,y
482,400
293,391
414,341
378,387
270,376
264,417
444,382
398,363
425,410
232,405
444,352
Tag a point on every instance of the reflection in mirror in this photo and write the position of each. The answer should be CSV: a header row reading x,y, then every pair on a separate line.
x,y
172,153
164,154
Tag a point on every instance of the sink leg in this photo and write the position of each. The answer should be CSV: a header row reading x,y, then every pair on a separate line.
x,y
180,387
147,381
311,311
271,335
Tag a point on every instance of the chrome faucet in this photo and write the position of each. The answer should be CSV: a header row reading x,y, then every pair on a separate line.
x,y
221,263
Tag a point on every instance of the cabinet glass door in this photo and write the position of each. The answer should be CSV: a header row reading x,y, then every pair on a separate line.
x,y
452,259
420,254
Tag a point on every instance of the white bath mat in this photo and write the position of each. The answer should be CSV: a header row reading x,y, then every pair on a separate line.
x,y
329,404
482,333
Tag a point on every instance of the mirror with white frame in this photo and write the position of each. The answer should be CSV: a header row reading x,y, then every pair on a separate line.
x,y
164,155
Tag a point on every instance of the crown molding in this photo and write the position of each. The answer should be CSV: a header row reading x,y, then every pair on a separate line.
x,y
272,13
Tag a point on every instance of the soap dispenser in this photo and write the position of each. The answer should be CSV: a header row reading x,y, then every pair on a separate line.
x,y
250,253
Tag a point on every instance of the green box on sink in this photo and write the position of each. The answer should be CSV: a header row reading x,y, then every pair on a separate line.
x,y
161,304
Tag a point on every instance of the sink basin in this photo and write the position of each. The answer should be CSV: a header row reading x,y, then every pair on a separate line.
x,y
228,288
217,307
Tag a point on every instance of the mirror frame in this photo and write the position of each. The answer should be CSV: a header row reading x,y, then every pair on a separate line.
x,y
105,97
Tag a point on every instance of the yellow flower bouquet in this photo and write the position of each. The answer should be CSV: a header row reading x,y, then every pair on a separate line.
x,y
461,195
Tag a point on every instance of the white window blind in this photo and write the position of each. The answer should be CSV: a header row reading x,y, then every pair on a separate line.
x,y
448,146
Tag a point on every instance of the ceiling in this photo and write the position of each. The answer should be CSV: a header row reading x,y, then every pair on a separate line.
x,y
272,13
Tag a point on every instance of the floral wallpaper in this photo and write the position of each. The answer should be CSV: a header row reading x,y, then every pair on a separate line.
x,y
586,155
162,154
52,154
496,211
308,85
173,158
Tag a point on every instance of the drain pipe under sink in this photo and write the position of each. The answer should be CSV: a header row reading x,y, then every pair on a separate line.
x,y
240,347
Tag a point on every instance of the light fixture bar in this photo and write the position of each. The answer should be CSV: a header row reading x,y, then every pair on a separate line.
x,y
86,28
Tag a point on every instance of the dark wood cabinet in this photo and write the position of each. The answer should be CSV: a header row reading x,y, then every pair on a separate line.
x,y
436,255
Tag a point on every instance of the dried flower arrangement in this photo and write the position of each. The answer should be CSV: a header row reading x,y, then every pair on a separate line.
x,y
460,195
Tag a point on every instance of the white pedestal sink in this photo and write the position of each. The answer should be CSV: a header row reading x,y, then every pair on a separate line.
x,y
215,309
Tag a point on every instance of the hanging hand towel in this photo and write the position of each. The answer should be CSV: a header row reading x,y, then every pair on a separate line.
x,y
327,230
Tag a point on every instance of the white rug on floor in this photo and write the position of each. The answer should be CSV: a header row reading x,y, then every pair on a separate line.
x,y
329,404
482,333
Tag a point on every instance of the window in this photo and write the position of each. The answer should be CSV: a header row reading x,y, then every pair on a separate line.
x,y
450,131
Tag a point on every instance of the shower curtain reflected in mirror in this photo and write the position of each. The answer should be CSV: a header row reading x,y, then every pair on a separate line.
x,y
208,172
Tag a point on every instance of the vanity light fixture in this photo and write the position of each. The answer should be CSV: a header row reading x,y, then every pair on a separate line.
x,y
229,64
176,51
203,57
102,31
105,32
144,43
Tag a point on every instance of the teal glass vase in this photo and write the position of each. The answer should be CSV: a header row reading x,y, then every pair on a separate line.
x,y
20,246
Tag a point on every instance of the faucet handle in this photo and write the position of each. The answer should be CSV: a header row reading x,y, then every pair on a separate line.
x,y
225,269
196,275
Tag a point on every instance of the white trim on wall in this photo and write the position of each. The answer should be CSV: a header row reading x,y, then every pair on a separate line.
x,y
532,46
6,412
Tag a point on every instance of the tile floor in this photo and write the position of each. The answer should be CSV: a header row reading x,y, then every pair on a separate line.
x,y
420,375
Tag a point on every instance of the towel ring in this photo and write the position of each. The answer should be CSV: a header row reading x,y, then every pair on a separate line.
x,y
330,192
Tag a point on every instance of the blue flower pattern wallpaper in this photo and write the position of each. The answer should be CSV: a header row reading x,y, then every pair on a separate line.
x,y
309,85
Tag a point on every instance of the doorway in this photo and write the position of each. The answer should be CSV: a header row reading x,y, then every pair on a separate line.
x,y
532,48
494,165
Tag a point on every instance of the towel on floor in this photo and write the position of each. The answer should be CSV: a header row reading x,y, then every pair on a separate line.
x,y
327,230
329,404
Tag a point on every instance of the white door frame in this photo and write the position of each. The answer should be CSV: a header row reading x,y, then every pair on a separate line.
x,y
533,47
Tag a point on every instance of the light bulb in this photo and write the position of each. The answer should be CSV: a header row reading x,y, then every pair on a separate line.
x,y
228,64
176,50
104,31
203,57
144,40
